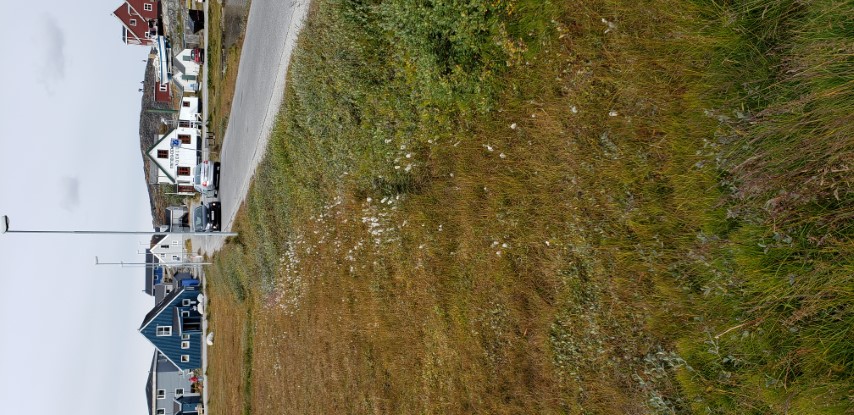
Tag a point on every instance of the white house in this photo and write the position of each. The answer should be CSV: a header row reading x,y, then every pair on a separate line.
x,y
175,154
169,250
186,70
189,114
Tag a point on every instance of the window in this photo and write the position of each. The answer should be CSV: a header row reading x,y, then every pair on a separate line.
x,y
164,331
163,154
185,358
185,314
161,394
185,302
175,243
176,258
183,171
185,138
179,392
189,77
133,22
187,58
185,337
147,7
166,246
163,87
185,104
161,411
185,345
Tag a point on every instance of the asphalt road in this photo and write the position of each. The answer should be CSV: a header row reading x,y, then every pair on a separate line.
x,y
271,33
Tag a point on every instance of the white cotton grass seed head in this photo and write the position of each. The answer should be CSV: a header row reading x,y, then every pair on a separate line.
x,y
573,109
613,113
513,126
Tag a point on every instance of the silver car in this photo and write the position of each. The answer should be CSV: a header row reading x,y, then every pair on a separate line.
x,y
206,178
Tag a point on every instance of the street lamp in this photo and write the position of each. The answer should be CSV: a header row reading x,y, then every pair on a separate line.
x,y
148,265
4,226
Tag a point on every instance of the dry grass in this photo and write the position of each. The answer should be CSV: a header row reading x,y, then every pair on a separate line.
x,y
514,211
223,62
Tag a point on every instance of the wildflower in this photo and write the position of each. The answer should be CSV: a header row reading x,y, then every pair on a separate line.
x,y
488,147
573,109
513,126
502,155
612,113
611,25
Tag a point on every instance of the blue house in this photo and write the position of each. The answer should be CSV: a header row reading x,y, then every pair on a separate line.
x,y
174,327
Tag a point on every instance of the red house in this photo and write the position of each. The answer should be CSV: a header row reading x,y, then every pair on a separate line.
x,y
140,21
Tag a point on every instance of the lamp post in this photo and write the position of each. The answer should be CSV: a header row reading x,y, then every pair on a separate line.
x,y
4,227
147,265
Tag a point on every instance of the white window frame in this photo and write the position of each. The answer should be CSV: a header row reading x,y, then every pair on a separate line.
x,y
179,391
185,337
185,345
185,313
186,302
132,22
164,331
161,394
185,358
148,7
161,411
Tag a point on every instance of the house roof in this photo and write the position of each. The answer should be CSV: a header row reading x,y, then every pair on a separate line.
x,y
159,308
169,345
153,160
149,272
149,384
156,238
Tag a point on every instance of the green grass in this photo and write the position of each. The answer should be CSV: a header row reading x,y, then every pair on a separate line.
x,y
522,206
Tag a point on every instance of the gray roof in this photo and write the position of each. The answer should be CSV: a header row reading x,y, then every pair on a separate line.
x,y
159,307
149,384
149,272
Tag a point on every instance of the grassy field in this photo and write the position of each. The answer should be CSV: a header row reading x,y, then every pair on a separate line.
x,y
601,206
223,60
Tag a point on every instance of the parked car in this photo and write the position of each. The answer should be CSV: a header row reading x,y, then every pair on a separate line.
x,y
207,218
198,55
206,178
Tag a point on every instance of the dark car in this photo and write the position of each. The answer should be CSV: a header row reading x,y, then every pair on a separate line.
x,y
207,218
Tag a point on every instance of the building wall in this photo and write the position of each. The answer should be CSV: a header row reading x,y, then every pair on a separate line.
x,y
171,345
173,248
186,155
169,379
189,108
133,11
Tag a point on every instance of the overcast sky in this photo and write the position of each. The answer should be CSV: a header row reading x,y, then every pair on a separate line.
x,y
70,159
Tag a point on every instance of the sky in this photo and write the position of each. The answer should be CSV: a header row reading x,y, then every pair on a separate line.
x,y
70,160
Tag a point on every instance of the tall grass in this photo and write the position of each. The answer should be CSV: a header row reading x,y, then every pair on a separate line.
x,y
522,206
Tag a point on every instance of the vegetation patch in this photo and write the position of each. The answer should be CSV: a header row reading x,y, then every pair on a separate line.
x,y
525,207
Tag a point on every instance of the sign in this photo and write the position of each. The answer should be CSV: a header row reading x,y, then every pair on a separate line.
x,y
175,142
